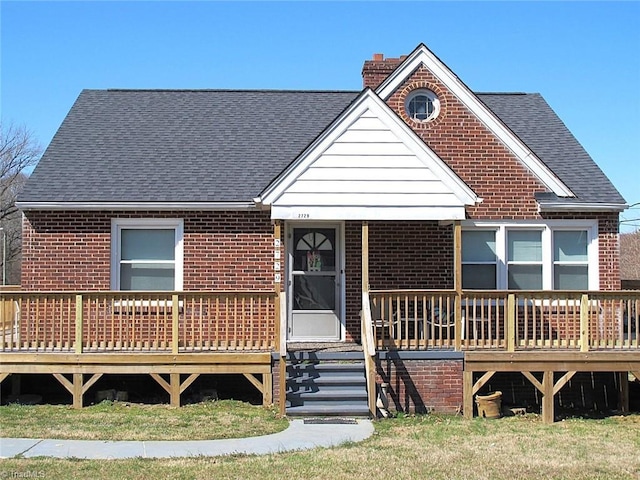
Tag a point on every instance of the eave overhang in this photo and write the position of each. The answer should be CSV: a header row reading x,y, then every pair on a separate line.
x,y
568,206
132,206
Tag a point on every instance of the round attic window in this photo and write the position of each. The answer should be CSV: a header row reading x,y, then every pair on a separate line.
x,y
422,105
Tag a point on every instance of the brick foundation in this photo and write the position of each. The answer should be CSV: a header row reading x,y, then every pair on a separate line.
x,y
422,385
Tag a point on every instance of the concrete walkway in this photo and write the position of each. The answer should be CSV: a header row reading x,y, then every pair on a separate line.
x,y
300,435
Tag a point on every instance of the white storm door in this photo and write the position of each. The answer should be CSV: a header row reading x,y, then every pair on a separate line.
x,y
315,291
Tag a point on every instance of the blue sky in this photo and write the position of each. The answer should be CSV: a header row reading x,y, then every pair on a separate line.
x,y
583,57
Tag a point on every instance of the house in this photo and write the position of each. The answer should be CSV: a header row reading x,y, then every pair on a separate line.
x,y
451,234
630,260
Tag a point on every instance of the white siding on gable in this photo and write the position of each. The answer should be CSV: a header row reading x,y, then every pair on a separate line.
x,y
367,165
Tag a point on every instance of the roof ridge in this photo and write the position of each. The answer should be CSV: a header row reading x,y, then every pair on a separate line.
x,y
229,90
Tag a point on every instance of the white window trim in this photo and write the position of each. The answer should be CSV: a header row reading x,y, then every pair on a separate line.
x,y
431,96
547,227
118,224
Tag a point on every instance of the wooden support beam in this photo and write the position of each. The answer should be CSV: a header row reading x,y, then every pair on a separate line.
x,y
562,381
510,327
187,383
584,323
547,398
457,281
64,382
3,376
255,382
174,394
175,324
282,395
77,390
162,382
467,394
623,392
529,376
365,256
92,380
79,320
482,381
267,392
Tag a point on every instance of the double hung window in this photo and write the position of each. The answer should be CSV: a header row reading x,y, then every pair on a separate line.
x,y
549,256
147,254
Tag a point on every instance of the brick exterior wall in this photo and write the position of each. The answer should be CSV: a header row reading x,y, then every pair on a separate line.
x,y
222,250
422,386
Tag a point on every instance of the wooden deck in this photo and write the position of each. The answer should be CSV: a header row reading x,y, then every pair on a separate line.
x,y
546,336
174,373
172,336
554,370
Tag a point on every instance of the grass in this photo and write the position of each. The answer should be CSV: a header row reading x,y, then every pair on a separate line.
x,y
411,447
130,421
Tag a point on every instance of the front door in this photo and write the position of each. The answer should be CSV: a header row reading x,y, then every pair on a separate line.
x,y
315,291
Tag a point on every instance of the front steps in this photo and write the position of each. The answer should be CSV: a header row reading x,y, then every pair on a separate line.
x,y
326,384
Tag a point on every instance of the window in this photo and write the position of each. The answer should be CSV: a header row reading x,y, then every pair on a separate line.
x,y
556,255
524,259
570,260
479,259
146,254
422,105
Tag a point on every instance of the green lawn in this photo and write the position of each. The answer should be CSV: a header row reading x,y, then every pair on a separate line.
x,y
130,421
422,447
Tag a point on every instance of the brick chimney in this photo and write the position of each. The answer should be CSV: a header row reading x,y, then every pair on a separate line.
x,y
375,71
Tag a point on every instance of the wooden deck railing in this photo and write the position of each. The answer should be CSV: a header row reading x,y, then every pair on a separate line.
x,y
138,321
505,320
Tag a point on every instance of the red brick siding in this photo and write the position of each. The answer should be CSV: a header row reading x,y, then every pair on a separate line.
x,y
374,72
222,250
422,386
401,255
472,151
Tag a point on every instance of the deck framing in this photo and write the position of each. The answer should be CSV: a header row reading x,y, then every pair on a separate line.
x,y
166,369
549,363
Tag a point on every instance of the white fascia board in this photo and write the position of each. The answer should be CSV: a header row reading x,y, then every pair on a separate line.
x,y
129,206
368,100
422,55
317,213
581,207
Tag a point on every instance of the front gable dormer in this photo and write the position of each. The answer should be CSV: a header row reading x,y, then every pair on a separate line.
x,y
368,165
465,133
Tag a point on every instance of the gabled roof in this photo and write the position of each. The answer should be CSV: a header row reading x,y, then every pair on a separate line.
x,y
197,148
368,164
178,146
422,56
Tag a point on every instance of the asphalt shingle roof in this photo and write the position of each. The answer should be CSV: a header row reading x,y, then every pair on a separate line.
x,y
163,146
228,145
537,125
